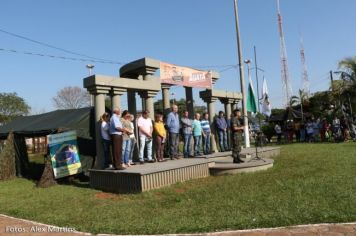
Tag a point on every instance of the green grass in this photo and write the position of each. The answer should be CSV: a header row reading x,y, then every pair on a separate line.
x,y
309,183
37,158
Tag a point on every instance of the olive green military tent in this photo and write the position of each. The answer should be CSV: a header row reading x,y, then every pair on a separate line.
x,y
82,120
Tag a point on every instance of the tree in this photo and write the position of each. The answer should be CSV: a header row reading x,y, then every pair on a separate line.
x,y
200,109
37,111
321,103
7,159
11,106
348,65
344,89
71,98
302,99
277,112
158,106
293,101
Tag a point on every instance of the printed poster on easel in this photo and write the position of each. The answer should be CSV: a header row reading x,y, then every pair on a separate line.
x,y
64,154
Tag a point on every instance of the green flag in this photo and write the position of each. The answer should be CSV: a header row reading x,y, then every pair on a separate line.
x,y
251,101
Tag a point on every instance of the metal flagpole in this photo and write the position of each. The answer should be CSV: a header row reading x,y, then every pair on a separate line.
x,y
242,79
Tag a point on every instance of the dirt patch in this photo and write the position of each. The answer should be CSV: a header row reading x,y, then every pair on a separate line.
x,y
158,194
180,190
110,196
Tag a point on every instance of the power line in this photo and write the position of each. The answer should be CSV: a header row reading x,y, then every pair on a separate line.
x,y
55,47
93,59
212,66
59,57
227,67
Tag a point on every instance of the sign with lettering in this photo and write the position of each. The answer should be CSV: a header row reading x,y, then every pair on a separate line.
x,y
185,76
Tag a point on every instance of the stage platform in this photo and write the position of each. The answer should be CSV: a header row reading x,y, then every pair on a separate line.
x,y
141,178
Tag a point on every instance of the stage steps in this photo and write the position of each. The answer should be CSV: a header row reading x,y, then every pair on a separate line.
x,y
224,164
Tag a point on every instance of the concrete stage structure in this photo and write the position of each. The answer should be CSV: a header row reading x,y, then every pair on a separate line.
x,y
140,77
141,178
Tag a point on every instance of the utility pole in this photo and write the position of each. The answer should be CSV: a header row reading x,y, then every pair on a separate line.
x,y
332,81
90,68
242,79
258,89
338,103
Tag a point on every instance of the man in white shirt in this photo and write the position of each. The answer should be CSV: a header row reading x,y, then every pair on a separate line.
x,y
145,128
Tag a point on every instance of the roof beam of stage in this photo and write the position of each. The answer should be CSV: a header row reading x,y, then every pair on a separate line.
x,y
220,94
109,82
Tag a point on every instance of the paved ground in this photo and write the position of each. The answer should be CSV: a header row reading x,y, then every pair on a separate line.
x,y
10,226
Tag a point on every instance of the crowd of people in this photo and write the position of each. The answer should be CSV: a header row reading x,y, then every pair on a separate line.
x,y
118,133
316,130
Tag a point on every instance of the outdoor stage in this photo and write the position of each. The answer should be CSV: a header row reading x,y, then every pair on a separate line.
x,y
140,178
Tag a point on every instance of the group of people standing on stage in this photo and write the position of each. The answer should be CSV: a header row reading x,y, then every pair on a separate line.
x,y
198,129
316,130
119,132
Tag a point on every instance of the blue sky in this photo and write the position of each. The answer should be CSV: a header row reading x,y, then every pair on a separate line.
x,y
185,32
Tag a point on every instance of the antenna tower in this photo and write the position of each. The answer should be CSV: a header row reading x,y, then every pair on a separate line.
x,y
286,83
305,76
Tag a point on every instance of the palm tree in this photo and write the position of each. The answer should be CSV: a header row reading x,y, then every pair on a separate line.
x,y
348,65
294,100
348,76
301,99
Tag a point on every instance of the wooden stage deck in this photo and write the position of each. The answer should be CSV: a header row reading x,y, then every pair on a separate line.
x,y
140,178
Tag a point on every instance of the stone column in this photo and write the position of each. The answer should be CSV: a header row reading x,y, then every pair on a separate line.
x,y
150,107
189,101
189,104
116,94
143,102
115,101
166,98
227,110
147,103
99,105
148,98
234,105
131,102
211,109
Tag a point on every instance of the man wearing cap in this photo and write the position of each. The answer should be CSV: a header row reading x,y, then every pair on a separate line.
x,y
237,128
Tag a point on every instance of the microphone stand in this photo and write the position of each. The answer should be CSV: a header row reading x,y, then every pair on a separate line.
x,y
257,138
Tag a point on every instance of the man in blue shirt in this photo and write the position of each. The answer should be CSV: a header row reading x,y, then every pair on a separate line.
x,y
173,129
187,132
221,125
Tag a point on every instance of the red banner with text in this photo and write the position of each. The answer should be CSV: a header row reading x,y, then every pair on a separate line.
x,y
185,76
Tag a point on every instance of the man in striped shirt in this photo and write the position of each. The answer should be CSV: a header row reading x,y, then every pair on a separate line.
x,y
205,126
